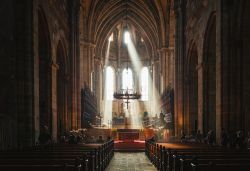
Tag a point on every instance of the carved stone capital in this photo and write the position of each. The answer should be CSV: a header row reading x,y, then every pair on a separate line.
x,y
54,65
88,44
199,66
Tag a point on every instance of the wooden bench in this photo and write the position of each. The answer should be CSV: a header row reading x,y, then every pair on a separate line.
x,y
221,167
195,158
90,157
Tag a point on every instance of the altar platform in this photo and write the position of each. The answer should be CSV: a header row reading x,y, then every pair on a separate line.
x,y
131,139
130,146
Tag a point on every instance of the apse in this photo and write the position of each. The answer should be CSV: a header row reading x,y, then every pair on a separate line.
x,y
127,67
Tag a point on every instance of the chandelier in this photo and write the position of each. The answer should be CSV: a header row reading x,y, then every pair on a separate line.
x,y
126,94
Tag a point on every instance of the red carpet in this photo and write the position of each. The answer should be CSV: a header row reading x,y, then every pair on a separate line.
x,y
131,145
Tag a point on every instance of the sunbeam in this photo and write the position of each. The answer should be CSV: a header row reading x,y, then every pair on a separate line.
x,y
107,114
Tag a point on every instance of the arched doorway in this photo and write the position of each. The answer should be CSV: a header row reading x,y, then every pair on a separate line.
x,y
245,69
44,72
209,76
61,90
193,90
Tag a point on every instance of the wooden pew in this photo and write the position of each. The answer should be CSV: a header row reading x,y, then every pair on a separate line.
x,y
92,157
31,167
181,159
221,167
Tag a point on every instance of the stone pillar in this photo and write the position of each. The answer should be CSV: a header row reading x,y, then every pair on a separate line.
x,y
180,14
167,65
171,66
99,88
24,73
200,95
219,90
75,116
155,87
226,116
54,68
36,71
86,63
164,63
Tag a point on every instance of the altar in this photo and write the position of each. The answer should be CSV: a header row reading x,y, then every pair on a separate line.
x,y
131,139
128,134
131,134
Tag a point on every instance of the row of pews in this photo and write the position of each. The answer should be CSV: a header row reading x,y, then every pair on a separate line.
x,y
202,158
63,157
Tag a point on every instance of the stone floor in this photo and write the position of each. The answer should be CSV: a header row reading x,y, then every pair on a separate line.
x,y
124,161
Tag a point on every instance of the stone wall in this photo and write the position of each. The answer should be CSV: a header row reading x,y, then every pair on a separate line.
x,y
20,64
215,29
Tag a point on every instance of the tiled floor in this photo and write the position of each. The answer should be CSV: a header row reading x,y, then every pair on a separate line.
x,y
130,162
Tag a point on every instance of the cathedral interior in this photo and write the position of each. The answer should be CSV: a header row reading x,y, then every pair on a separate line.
x,y
127,70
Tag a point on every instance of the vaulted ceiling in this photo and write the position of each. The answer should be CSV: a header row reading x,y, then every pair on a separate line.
x,y
149,17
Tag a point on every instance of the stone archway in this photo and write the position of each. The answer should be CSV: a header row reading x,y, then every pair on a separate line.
x,y
192,89
62,84
209,76
44,49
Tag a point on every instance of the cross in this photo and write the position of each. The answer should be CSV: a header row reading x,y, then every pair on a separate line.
x,y
127,103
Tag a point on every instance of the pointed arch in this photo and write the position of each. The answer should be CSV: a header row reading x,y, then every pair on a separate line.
x,y
62,89
144,15
44,48
209,75
191,118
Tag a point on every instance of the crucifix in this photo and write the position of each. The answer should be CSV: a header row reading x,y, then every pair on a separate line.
x,y
127,103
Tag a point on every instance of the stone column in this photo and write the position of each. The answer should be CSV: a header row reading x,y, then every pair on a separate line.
x,y
155,87
54,68
99,87
164,61
171,66
226,116
219,90
86,63
75,117
86,69
180,13
24,74
200,71
36,71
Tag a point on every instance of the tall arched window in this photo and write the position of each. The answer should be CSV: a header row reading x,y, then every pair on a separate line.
x,y
110,79
127,79
144,83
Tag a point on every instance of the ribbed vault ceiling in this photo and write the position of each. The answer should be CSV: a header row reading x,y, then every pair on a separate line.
x,y
145,15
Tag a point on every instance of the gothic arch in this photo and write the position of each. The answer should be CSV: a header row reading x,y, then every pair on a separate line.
x,y
209,75
44,48
191,118
143,16
62,89
150,46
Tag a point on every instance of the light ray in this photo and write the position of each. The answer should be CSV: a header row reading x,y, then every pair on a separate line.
x,y
154,107
107,113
